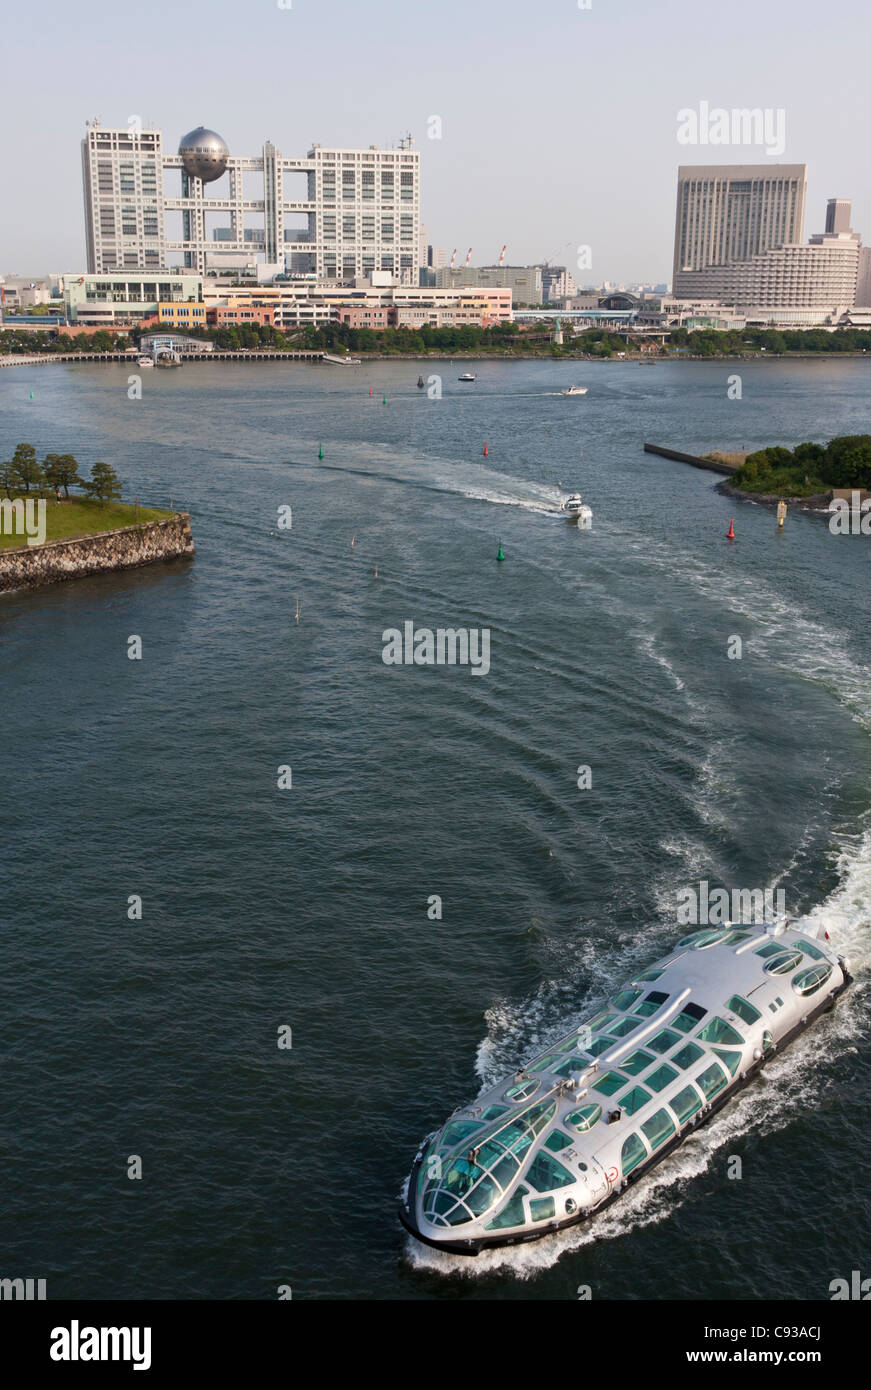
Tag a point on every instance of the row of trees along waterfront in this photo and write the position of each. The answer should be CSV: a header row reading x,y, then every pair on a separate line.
x,y
57,472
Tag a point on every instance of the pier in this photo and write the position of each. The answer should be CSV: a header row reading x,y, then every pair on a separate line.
x,y
712,465
132,355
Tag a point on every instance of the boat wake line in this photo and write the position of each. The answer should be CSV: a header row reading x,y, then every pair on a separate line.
x,y
476,482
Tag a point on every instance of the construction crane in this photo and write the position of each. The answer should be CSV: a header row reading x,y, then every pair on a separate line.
x,y
558,253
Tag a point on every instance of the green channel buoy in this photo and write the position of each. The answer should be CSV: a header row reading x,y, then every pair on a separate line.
x,y
320,451
499,554
31,395
384,400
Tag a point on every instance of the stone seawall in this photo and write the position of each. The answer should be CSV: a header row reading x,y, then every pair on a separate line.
x,y
28,566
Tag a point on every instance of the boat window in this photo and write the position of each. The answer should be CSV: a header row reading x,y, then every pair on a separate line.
x,y
557,1141
585,1118
737,1004
458,1131
735,936
773,948
494,1111
600,1045
544,1062
512,1214
732,1059
686,1103
461,1176
572,1066
658,1128
609,1083
483,1197
637,1061
423,1174
459,1214
542,1208
632,1153
782,964
522,1091
440,1203
634,1100
809,949
711,1080
689,1016
545,1173
719,1031
601,1020
700,940
650,1003
659,1079
687,1056
810,980
648,977
624,1026
539,1116
625,999
663,1040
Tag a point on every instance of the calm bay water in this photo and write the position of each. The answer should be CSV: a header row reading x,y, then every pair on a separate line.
x,y
307,907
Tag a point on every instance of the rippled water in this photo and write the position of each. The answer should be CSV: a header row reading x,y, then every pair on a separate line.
x,y
308,907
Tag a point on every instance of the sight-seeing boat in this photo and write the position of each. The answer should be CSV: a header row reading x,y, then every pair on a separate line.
x,y
566,1135
467,376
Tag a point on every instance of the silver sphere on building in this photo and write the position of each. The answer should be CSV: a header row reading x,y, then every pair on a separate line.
x,y
204,154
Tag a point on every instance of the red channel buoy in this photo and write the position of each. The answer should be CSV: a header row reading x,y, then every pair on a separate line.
x,y
730,534
486,450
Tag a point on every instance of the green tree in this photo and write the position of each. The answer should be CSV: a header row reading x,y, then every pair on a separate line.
x,y
104,484
61,471
8,480
26,467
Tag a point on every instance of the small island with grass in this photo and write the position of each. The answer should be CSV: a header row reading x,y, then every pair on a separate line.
x,y
809,473
48,535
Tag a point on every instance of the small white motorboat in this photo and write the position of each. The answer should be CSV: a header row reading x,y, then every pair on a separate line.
x,y
146,362
575,391
573,505
467,376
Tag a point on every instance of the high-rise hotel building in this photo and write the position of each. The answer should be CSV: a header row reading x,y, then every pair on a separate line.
x,y
334,214
738,240
730,212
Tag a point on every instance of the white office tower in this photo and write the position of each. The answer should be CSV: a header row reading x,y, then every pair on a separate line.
x,y
330,215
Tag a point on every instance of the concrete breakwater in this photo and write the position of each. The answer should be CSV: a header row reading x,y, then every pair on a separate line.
x,y
28,567
712,465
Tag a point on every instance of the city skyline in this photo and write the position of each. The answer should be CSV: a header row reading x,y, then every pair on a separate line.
x,y
539,144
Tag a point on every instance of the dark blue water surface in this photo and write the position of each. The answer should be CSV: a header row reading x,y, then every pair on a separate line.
x,y
307,907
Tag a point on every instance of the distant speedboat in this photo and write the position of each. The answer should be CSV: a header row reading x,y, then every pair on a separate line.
x,y
467,376
573,505
575,391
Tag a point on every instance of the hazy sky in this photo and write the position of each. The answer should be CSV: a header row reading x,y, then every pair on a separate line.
x,y
558,123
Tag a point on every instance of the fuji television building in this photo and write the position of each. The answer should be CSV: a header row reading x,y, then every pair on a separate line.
x,y
332,215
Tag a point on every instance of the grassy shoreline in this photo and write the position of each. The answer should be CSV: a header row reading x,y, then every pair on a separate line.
x,y
79,517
